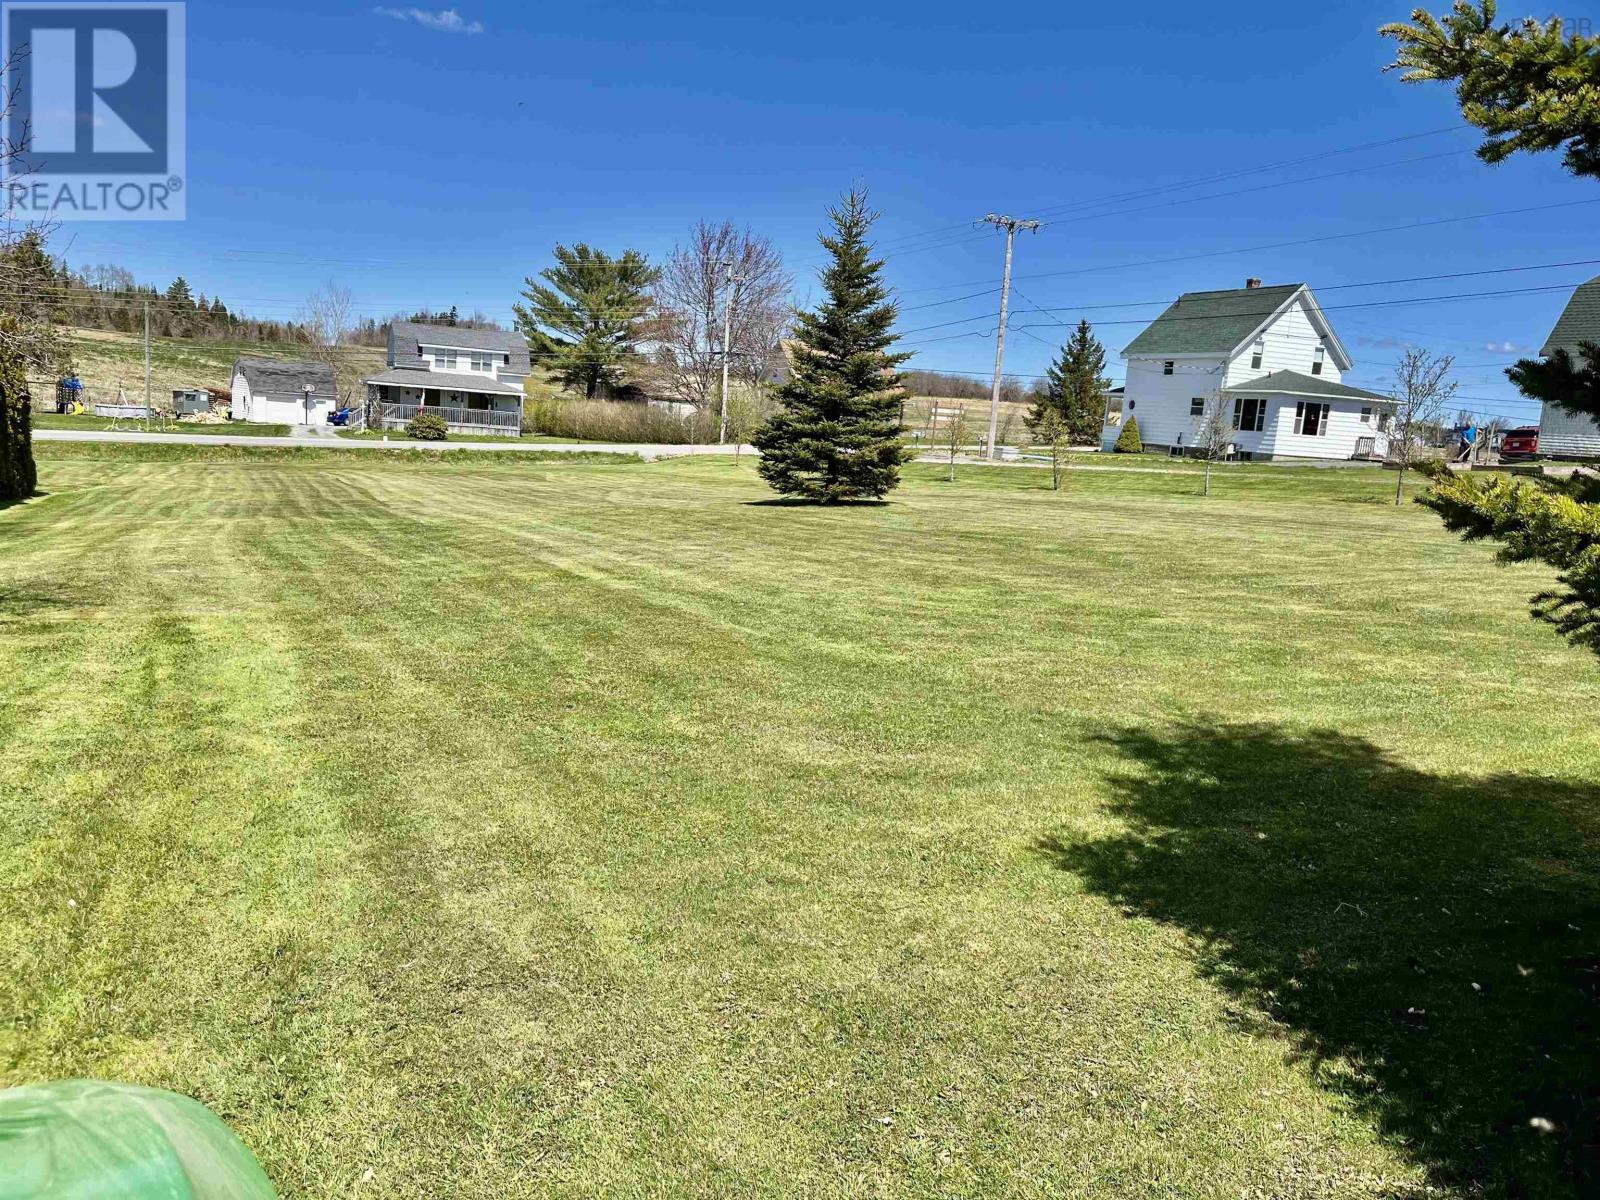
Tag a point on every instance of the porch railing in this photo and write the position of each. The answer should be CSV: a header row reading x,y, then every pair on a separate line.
x,y
460,420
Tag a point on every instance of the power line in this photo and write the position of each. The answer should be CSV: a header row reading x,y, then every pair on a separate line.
x,y
1267,312
1361,233
1140,194
1077,219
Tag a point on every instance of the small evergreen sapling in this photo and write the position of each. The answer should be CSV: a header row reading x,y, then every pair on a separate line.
x,y
1128,441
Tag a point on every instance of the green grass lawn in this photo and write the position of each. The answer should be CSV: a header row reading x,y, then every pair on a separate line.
x,y
89,422
503,828
399,435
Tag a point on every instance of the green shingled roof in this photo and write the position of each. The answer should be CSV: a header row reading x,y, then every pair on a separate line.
x,y
1579,323
1292,383
1211,322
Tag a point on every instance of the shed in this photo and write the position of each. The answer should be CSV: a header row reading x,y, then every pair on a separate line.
x,y
283,390
187,401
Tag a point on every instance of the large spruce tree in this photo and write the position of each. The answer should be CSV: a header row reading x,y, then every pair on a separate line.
x,y
585,320
837,435
1530,87
1074,389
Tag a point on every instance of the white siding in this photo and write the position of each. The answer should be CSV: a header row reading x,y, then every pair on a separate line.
x,y
1565,434
1345,428
1291,345
1277,438
499,369
276,408
1161,402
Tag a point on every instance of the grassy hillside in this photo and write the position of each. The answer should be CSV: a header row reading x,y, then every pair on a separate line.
x,y
513,829
103,359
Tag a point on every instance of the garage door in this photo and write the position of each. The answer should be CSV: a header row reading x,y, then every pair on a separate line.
x,y
291,412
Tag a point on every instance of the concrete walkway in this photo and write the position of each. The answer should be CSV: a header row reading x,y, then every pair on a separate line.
x,y
300,441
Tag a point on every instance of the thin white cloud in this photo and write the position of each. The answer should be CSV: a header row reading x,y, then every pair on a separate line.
x,y
1506,348
445,20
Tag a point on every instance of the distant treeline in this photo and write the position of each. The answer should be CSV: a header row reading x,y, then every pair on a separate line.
x,y
109,297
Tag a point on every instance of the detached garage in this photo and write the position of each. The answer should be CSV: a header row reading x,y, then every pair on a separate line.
x,y
283,391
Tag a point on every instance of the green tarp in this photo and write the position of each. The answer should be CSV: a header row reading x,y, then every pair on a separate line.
x,y
84,1140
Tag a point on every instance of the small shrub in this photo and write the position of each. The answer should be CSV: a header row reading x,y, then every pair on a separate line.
x,y
1128,441
427,427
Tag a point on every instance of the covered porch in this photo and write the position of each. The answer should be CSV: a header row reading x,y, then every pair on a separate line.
x,y
467,406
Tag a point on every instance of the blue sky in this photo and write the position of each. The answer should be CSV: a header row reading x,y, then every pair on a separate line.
x,y
428,159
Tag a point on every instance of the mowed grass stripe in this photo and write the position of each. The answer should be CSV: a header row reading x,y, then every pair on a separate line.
x,y
611,1056
648,841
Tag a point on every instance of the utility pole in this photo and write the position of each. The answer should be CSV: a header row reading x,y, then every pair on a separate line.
x,y
1010,225
147,364
727,335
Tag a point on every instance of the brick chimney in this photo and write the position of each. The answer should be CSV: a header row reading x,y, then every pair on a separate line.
x,y
1252,283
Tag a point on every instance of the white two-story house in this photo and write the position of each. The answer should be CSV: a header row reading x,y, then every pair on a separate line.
x,y
471,377
1269,357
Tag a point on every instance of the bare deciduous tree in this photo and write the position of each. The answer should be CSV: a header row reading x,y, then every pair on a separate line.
x,y
953,435
1213,434
328,319
719,266
1421,393
1053,433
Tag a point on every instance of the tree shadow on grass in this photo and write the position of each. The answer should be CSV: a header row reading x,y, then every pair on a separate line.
x,y
19,500
802,502
23,599
1427,943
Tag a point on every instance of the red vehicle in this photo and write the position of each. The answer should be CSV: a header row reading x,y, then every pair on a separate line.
x,y
1520,444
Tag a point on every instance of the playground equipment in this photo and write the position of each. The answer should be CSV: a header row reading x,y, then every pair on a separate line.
x,y
69,395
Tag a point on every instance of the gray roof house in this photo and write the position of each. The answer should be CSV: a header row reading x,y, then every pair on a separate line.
x,y
283,390
1563,434
1270,358
473,378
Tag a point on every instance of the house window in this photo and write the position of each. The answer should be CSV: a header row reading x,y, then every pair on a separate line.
x,y
1250,415
1366,416
482,361
1166,367
443,360
1316,361
1197,406
1258,354
1311,419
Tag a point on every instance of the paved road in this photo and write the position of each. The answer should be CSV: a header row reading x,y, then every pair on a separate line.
x,y
302,441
